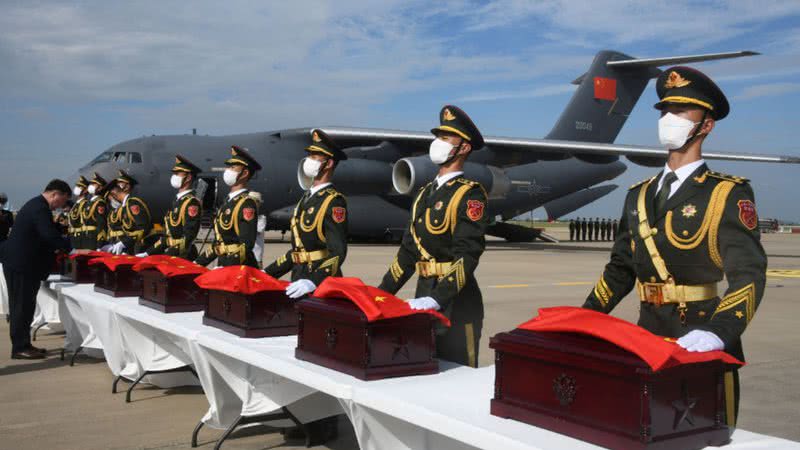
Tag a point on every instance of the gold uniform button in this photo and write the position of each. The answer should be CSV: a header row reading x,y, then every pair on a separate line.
x,y
685,233
654,231
652,279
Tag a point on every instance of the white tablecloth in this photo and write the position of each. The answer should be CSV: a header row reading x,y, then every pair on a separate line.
x,y
449,410
48,305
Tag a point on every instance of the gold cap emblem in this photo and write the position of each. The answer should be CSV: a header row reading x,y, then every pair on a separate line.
x,y
315,137
676,81
233,151
447,115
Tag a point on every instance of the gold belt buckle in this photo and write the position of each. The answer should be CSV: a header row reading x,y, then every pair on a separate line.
x,y
654,293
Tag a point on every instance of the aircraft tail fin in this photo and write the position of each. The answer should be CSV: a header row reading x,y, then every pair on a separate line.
x,y
609,90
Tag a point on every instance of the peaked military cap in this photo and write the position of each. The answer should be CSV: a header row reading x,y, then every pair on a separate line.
x,y
82,182
184,165
453,120
240,156
322,143
98,180
123,177
684,85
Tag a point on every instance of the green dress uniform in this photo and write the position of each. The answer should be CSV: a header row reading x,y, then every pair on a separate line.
x,y
181,225
115,225
137,223
675,256
443,244
319,227
182,222
75,217
95,217
236,222
235,231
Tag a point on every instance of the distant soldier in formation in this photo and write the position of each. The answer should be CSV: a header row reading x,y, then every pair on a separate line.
x,y
571,229
182,222
596,228
606,227
134,214
6,218
584,227
445,239
95,215
236,223
75,229
684,230
614,229
590,228
318,224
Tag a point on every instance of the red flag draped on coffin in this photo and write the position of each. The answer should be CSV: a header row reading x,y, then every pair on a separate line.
x,y
658,352
92,254
243,279
113,262
375,303
170,266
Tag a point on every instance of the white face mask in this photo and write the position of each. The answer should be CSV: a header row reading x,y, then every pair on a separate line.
x,y
92,189
176,181
673,130
76,191
115,204
311,167
230,176
439,151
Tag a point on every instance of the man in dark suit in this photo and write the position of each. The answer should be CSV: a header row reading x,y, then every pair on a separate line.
x,y
6,218
27,258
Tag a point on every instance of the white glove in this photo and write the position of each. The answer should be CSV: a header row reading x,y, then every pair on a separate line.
x,y
300,288
106,248
217,267
424,303
142,255
73,251
118,248
701,341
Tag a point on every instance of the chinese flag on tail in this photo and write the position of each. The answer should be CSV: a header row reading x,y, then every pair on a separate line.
x,y
605,88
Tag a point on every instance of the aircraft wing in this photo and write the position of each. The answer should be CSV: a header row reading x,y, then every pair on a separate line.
x,y
508,151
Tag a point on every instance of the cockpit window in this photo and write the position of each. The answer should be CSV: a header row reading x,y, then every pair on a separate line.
x,y
135,158
120,157
101,158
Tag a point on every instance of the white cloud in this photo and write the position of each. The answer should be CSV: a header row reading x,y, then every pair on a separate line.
x,y
767,90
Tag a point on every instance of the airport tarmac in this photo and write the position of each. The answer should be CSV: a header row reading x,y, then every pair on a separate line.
x,y
47,404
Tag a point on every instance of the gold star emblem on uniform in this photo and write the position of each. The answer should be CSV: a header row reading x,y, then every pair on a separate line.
x,y
689,210
315,137
310,210
447,115
380,299
676,81
438,205
739,314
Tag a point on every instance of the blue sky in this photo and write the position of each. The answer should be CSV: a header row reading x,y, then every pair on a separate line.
x,y
79,77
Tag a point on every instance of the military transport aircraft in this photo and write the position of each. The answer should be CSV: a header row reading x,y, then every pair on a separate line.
x,y
561,172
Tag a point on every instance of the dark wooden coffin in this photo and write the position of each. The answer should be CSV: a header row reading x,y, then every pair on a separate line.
x,y
123,282
265,314
78,270
169,295
336,334
592,390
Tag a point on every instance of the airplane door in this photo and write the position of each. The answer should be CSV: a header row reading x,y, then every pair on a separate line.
x,y
207,192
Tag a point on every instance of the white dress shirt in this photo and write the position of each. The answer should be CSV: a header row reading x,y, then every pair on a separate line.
x,y
446,177
682,173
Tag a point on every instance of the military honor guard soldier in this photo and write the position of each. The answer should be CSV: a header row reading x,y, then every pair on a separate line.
x,y
133,214
583,229
571,229
182,222
95,215
683,230
445,240
318,223
236,222
75,228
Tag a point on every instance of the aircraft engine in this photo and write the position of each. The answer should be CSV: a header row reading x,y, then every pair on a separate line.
x,y
410,174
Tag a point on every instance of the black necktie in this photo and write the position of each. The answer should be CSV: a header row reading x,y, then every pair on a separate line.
x,y
663,194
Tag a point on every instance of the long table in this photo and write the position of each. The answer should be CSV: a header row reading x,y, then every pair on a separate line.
x,y
253,377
